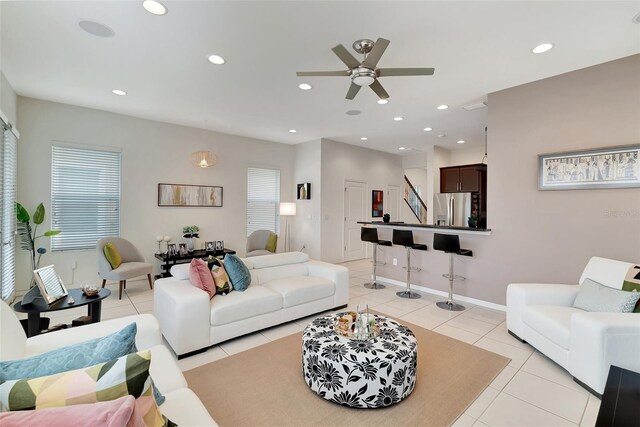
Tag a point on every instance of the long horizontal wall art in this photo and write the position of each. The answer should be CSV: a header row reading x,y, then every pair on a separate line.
x,y
189,195
612,167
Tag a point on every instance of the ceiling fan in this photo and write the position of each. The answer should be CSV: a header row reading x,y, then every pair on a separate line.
x,y
366,73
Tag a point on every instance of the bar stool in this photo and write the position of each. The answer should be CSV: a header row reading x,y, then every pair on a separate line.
x,y
370,234
405,238
450,243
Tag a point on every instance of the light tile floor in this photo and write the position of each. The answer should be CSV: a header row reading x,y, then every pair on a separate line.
x,y
531,391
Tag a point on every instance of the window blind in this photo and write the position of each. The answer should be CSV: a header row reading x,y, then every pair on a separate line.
x,y
8,194
263,200
85,196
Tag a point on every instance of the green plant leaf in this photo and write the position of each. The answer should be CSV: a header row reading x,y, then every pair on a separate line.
x,y
52,233
38,215
24,233
22,214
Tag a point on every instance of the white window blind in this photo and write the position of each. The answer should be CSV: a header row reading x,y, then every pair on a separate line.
x,y
8,194
85,196
263,200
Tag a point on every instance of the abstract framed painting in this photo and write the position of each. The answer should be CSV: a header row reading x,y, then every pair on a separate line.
x,y
611,167
183,195
377,203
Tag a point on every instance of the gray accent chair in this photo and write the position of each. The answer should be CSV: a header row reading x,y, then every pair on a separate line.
x,y
257,243
133,263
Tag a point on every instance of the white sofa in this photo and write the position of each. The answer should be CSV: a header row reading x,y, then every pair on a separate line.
x,y
284,287
584,343
181,406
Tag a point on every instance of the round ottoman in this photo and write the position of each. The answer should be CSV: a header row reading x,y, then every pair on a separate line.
x,y
359,373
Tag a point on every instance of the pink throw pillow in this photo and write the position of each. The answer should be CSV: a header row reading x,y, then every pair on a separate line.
x,y
111,413
200,277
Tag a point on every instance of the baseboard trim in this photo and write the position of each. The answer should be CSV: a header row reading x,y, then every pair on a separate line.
x,y
462,298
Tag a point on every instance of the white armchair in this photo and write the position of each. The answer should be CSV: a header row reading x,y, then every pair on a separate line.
x,y
584,343
133,263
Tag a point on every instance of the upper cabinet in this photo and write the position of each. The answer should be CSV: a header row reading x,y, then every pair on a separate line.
x,y
463,179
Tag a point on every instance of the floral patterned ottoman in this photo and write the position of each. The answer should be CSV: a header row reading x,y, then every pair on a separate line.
x,y
359,373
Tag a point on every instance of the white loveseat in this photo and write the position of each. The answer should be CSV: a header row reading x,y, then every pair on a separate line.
x,y
181,406
284,287
584,343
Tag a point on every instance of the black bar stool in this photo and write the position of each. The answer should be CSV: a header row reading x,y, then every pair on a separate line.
x,y
370,234
405,238
450,243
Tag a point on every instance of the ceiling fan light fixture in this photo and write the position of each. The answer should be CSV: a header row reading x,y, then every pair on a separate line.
x,y
203,159
363,76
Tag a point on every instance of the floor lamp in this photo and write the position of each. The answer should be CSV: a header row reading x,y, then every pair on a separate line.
x,y
287,209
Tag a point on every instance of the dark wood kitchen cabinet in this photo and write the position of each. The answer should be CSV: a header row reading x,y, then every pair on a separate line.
x,y
463,179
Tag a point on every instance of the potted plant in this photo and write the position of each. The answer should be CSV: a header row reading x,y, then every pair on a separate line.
x,y
190,232
473,220
28,234
386,217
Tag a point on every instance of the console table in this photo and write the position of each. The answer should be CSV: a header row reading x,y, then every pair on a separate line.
x,y
39,305
170,261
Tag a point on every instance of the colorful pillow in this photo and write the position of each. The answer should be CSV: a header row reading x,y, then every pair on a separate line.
x,y
201,277
112,255
81,355
127,375
238,272
632,283
220,277
595,297
272,243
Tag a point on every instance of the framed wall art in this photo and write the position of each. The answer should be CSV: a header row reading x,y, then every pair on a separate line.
x,y
304,191
612,167
376,203
189,195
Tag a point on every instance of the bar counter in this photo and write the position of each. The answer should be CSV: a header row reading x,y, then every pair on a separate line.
x,y
427,227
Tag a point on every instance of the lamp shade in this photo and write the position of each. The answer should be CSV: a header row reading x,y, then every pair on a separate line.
x,y
203,159
287,208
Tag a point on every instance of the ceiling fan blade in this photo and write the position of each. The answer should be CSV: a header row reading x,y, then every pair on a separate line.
x,y
344,55
376,53
379,90
353,91
322,73
387,72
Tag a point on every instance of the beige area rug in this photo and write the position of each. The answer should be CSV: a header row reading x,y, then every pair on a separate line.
x,y
264,386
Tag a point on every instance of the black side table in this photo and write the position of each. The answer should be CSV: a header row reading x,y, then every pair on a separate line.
x,y
168,262
39,305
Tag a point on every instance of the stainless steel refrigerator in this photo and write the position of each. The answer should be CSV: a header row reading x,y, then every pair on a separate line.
x,y
451,209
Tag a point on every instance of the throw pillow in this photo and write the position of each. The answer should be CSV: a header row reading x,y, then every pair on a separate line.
x,y
201,277
220,277
81,355
127,375
592,296
272,243
632,283
238,272
112,255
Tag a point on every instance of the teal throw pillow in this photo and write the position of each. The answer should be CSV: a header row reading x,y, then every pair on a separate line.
x,y
238,273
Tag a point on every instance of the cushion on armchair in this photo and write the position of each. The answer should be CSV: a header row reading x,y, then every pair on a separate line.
x,y
593,296
112,255
272,243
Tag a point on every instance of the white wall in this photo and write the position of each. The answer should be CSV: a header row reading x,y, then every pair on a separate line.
x,y
305,229
8,100
152,152
467,155
340,163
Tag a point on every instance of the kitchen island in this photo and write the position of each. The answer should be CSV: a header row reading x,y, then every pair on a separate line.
x,y
428,227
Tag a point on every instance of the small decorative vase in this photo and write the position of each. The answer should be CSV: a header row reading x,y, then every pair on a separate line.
x,y
190,244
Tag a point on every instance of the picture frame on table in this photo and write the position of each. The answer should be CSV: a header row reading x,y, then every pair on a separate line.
x,y
172,250
182,249
609,167
210,246
49,283
219,245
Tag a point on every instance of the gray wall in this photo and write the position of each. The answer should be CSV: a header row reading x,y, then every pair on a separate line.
x,y
8,100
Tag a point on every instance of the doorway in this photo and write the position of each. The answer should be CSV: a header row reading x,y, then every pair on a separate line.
x,y
354,211
392,204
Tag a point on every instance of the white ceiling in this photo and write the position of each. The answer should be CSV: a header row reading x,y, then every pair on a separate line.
x,y
161,61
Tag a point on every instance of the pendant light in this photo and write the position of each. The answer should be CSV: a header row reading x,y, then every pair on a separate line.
x,y
203,159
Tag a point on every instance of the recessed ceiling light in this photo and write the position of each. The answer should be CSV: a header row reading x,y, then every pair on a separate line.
x,y
398,118
427,129
215,59
542,48
97,29
364,138
155,7
119,92
401,148
383,101
353,112
305,86
461,141
443,107
292,131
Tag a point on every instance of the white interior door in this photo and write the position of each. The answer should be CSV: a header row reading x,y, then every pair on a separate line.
x,y
393,202
354,211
